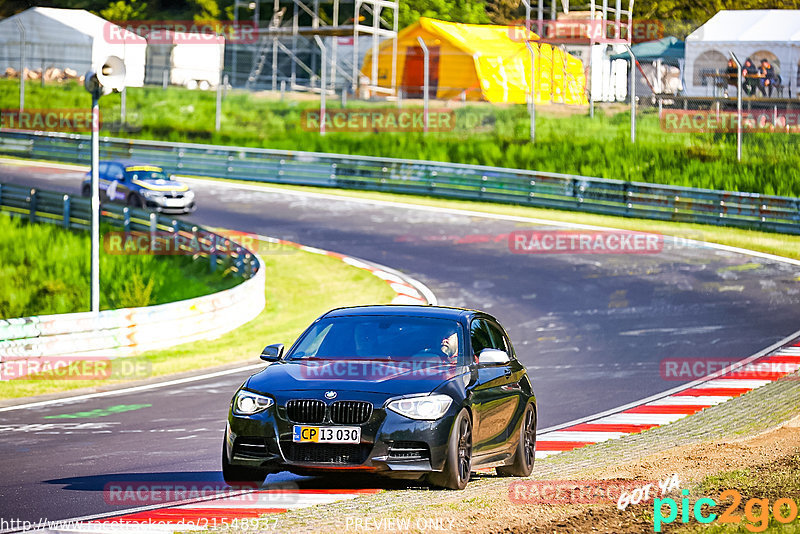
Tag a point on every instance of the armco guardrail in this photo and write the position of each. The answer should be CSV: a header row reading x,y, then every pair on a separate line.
x,y
129,331
469,182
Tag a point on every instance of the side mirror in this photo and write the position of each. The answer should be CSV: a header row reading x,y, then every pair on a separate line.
x,y
272,353
493,357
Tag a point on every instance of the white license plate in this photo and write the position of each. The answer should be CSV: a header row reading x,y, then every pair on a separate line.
x,y
174,203
326,434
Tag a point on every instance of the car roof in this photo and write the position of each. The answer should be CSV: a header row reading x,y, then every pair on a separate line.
x,y
442,312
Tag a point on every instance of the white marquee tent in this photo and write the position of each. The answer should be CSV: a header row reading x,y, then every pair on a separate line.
x,y
773,34
69,38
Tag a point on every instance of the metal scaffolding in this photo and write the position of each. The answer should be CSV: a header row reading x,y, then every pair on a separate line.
x,y
609,23
287,55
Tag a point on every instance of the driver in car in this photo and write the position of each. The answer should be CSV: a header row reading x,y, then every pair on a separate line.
x,y
450,346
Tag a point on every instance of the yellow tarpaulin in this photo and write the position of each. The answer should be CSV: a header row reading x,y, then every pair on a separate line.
x,y
485,62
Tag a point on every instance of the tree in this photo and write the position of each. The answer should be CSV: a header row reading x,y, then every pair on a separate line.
x,y
505,12
470,12
122,11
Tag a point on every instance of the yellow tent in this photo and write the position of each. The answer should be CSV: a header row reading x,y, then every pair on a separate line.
x,y
487,62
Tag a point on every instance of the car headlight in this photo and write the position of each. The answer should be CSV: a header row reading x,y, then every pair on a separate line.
x,y
150,194
428,408
189,195
249,403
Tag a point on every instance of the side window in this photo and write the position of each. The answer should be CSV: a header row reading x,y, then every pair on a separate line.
x,y
480,336
115,172
103,169
499,339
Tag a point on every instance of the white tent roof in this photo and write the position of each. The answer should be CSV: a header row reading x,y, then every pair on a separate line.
x,y
752,25
65,26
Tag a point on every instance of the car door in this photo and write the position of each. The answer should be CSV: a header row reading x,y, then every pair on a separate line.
x,y
495,395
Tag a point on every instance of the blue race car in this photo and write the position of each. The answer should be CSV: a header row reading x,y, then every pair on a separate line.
x,y
140,186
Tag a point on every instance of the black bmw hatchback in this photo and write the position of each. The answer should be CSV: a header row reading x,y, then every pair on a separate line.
x,y
414,392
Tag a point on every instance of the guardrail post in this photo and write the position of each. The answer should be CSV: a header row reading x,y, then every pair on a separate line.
x,y
175,231
126,219
65,212
425,81
32,206
626,193
248,266
196,248
153,230
212,258
239,261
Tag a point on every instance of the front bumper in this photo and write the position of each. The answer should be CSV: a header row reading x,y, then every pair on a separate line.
x,y
391,445
171,210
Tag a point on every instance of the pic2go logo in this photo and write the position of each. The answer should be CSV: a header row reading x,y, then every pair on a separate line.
x,y
756,511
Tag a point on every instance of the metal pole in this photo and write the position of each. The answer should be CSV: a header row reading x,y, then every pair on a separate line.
x,y
95,249
218,114
738,106
322,87
394,49
633,94
234,46
123,105
590,82
426,82
532,108
22,65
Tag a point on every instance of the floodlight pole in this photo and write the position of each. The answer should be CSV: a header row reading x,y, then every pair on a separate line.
x,y
633,94
95,252
532,108
323,80
426,81
738,106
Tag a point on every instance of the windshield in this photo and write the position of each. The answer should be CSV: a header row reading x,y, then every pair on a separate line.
x,y
145,173
393,338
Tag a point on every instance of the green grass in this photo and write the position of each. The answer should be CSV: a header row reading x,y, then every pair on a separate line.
x,y
484,134
300,287
777,480
45,270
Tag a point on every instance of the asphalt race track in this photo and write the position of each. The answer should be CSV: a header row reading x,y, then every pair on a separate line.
x,y
591,328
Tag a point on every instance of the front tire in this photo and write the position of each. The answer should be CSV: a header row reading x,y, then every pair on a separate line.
x,y
458,466
525,454
237,474
86,190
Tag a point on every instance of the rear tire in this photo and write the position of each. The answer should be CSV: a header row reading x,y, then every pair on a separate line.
x,y
458,466
525,454
134,201
236,474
